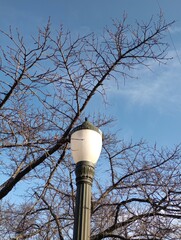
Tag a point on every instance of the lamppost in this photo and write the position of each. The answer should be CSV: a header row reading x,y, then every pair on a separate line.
x,y
86,145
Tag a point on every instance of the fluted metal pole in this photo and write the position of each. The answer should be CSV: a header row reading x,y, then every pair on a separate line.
x,y
84,178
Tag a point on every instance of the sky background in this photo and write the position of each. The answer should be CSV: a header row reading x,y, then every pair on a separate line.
x,y
147,107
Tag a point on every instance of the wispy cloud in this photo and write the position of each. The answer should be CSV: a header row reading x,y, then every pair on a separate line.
x,y
174,29
159,88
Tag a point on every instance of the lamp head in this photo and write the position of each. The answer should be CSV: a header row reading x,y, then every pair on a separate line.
x,y
86,142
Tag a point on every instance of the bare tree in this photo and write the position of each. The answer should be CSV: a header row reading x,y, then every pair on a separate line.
x,y
140,200
46,86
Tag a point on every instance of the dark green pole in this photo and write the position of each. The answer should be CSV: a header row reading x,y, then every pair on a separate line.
x,y
84,177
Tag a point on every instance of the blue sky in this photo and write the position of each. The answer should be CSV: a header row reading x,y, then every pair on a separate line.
x,y
148,107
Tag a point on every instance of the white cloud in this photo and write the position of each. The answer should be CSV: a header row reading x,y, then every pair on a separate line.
x,y
174,29
159,88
